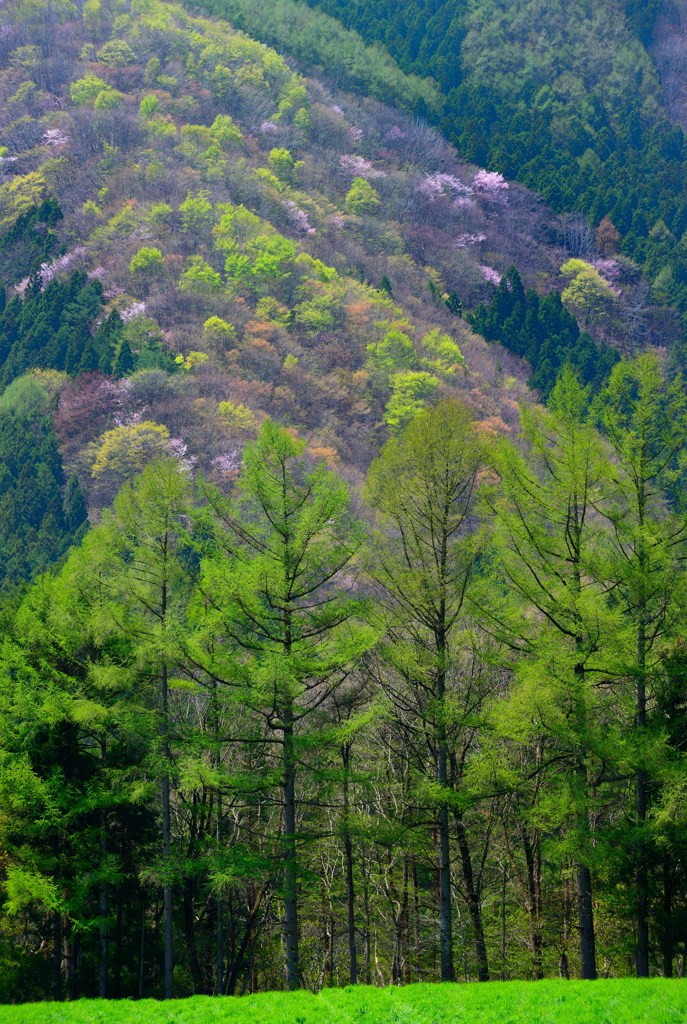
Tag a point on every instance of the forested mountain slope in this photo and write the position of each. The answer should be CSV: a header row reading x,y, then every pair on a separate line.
x,y
207,238
363,663
562,96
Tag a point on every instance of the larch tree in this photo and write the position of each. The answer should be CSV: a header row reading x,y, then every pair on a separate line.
x,y
423,487
549,539
644,416
287,621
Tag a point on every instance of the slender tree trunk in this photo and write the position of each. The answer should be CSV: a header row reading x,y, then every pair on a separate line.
x,y
293,980
350,885
142,954
57,989
167,896
642,806
474,905
103,902
103,910
586,919
190,934
443,827
445,916
585,906
533,867
219,914
247,942
668,940
71,959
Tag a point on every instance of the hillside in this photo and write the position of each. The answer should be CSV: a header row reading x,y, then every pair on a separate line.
x,y
251,241
574,110
344,531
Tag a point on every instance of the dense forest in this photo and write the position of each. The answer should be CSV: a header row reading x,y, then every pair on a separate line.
x,y
438,734
573,109
343,497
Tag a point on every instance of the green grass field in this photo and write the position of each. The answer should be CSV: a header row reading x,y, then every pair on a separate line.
x,y
547,1002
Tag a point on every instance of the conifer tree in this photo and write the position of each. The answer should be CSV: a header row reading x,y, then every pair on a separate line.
x,y
423,485
284,606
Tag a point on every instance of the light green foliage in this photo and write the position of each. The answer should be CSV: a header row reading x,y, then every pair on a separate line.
x,y
362,197
148,260
31,393
108,99
442,354
25,58
126,450
161,127
317,314
394,352
195,139
225,132
86,89
116,53
149,105
316,268
322,40
34,10
19,195
266,177
268,308
200,277
236,416
190,361
411,390
160,215
588,296
196,213
293,99
272,256
284,165
219,330
236,226
568,1002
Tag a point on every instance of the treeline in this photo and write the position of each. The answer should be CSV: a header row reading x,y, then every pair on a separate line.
x,y
282,736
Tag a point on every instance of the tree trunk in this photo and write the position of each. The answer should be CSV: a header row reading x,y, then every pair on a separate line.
x,y
168,922
293,979
533,865
350,887
642,804
586,920
190,935
667,938
57,989
474,905
103,932
103,902
445,916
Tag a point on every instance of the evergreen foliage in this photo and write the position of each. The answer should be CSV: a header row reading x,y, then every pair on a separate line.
x,y
545,333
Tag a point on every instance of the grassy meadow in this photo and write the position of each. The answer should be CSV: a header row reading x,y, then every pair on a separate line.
x,y
630,1001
